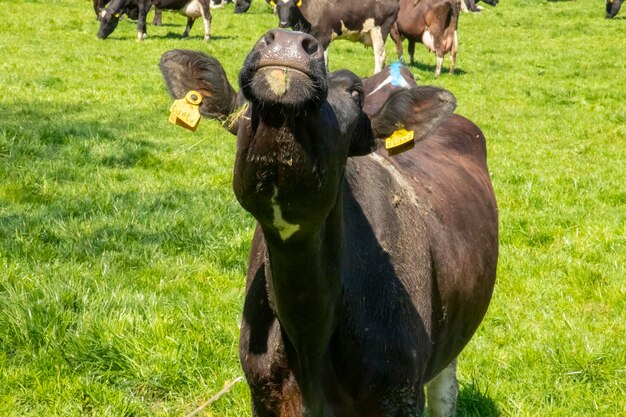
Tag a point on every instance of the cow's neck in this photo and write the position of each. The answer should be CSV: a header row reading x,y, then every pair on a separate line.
x,y
304,286
116,6
301,23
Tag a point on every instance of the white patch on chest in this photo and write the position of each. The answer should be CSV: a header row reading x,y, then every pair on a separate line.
x,y
285,229
192,9
363,35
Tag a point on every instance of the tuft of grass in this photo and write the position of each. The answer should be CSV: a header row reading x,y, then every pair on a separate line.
x,y
123,250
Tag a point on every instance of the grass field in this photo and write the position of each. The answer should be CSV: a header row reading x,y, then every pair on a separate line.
x,y
123,250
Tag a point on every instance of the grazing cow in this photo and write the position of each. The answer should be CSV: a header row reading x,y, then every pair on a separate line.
x,y
367,275
132,11
242,6
470,5
193,9
612,7
432,22
365,21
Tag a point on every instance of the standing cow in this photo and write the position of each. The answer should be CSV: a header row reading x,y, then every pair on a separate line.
x,y
612,7
368,274
193,9
431,22
132,11
365,21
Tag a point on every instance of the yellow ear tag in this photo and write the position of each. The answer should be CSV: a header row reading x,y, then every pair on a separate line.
x,y
298,4
185,113
272,3
400,141
117,15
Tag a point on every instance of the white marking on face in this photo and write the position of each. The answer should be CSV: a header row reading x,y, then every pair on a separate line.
x,y
442,393
285,229
103,13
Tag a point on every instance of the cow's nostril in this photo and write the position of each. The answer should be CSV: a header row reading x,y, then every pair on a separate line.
x,y
310,45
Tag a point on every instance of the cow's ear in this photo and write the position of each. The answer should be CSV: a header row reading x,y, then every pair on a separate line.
x,y
419,109
186,70
363,140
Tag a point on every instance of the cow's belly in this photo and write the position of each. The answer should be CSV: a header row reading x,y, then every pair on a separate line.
x,y
363,36
193,9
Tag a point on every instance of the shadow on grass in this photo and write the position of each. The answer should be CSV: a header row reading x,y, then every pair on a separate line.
x,y
475,402
445,69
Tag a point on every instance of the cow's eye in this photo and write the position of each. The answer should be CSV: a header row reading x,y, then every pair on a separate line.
x,y
357,96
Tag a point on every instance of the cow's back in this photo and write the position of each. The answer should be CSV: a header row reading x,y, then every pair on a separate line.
x,y
422,227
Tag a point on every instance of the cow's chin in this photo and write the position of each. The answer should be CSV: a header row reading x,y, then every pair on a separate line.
x,y
285,87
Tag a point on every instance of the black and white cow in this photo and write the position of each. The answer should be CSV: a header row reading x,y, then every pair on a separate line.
x,y
470,5
193,9
365,21
612,7
132,11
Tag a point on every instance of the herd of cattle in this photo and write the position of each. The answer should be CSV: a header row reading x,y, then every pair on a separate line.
x,y
434,23
371,266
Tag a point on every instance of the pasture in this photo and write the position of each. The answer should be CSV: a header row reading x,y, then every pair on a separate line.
x,y
123,250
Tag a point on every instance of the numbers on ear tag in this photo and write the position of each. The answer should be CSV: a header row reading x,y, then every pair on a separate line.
x,y
185,113
400,141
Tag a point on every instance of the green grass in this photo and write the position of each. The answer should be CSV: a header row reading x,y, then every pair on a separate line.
x,y
123,250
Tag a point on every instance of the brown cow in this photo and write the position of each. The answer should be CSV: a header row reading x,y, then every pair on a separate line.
x,y
367,274
431,22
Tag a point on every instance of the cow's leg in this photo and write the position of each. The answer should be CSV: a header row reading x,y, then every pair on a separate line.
x,y
455,45
439,63
463,6
442,393
471,4
206,19
143,7
397,39
378,44
190,21
158,17
412,51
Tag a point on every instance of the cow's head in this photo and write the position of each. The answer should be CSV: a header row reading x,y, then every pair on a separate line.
x,y
108,22
286,10
242,6
301,125
612,7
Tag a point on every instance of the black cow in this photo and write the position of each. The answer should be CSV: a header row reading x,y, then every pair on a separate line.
x,y
367,274
193,9
612,7
242,6
365,21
